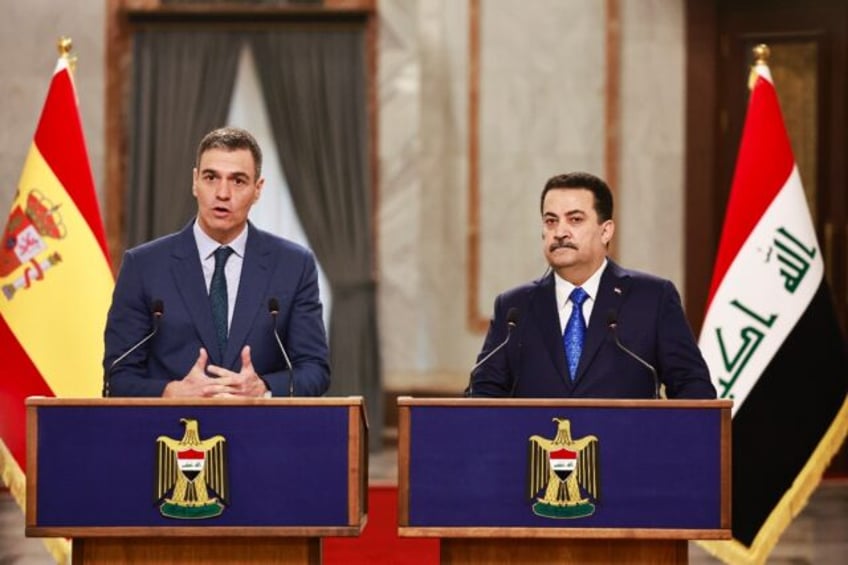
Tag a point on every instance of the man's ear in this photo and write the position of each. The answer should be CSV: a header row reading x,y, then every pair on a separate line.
x,y
259,185
607,231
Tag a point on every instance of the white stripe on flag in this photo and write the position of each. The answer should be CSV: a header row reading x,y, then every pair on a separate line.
x,y
763,294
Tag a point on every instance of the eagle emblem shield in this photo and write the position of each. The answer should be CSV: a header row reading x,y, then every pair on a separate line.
x,y
25,251
563,475
191,474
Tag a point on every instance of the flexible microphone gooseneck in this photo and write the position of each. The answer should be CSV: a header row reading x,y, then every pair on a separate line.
x,y
511,322
612,324
157,310
274,309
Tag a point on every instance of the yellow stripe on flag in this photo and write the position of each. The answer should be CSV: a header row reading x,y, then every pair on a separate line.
x,y
57,308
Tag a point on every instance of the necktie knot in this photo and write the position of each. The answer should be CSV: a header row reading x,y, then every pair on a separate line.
x,y
578,296
221,256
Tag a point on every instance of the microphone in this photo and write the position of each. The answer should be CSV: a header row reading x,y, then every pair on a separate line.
x,y
511,322
156,310
274,309
612,324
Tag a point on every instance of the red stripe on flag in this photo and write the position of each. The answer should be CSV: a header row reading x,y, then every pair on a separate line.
x,y
764,164
60,139
18,379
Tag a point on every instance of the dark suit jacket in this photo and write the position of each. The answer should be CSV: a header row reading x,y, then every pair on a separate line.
x,y
169,269
650,322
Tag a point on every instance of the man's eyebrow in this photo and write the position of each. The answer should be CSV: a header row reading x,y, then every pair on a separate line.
x,y
576,212
234,174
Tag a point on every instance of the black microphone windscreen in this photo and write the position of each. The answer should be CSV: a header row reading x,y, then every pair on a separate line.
x,y
512,316
158,307
273,305
612,318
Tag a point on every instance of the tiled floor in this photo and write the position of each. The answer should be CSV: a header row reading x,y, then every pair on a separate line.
x,y
818,536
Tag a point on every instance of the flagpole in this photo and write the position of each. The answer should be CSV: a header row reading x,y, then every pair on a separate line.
x,y
761,57
65,45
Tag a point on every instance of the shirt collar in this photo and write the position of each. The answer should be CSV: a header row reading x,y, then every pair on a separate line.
x,y
564,288
207,246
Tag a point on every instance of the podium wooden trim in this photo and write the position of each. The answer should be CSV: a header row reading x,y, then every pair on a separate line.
x,y
560,540
277,536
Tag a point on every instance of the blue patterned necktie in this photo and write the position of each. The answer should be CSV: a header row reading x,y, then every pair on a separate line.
x,y
575,331
218,296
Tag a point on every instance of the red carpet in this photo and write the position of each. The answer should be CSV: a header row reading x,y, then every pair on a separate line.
x,y
379,542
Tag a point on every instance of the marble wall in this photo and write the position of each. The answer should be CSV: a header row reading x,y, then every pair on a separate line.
x,y
542,100
29,33
541,103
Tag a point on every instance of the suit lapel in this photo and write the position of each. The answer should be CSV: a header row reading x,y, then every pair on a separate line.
x,y
188,279
546,312
255,276
611,291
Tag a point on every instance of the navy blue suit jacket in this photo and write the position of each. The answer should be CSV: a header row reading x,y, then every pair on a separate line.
x,y
169,269
650,322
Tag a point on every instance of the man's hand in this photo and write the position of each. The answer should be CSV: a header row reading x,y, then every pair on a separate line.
x,y
195,384
231,384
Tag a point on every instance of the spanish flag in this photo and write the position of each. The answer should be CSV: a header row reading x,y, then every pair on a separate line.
x,y
771,337
55,275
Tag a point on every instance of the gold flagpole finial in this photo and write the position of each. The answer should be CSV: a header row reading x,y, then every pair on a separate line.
x,y
65,46
761,56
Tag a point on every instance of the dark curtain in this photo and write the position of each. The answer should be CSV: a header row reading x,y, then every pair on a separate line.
x,y
314,86
181,89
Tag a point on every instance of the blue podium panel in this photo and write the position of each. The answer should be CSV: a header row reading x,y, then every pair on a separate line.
x,y
641,465
266,465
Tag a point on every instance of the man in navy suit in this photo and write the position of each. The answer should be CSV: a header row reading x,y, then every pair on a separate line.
x,y
527,357
163,288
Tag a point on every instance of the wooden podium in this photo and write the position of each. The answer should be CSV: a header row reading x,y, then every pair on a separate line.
x,y
187,481
565,481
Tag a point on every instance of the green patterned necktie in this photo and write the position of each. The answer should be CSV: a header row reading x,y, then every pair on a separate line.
x,y
218,296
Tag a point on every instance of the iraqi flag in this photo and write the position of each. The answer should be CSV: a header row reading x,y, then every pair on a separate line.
x,y
771,338
55,278
563,462
191,462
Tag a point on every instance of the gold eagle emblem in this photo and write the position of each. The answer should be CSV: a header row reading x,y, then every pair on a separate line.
x,y
191,474
566,469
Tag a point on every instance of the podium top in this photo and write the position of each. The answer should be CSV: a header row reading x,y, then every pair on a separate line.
x,y
565,402
126,401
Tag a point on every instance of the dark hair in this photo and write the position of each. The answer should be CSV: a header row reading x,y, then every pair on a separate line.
x,y
579,179
231,139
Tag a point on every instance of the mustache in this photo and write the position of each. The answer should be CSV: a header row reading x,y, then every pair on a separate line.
x,y
562,244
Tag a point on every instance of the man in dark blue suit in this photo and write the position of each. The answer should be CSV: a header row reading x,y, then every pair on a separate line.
x,y
265,284
524,354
